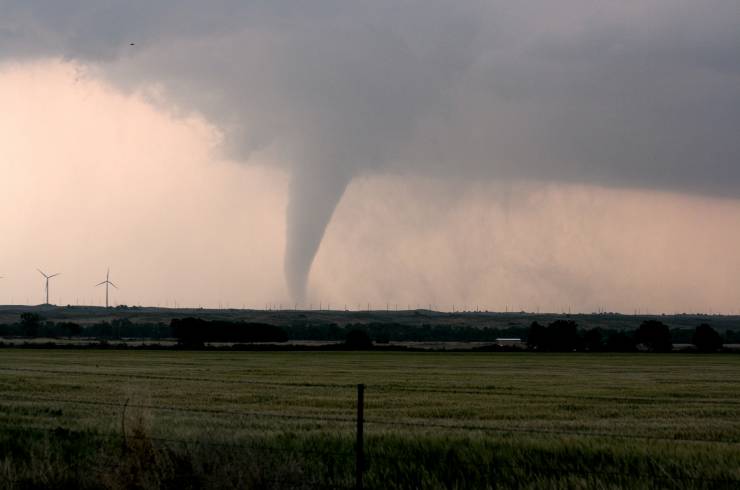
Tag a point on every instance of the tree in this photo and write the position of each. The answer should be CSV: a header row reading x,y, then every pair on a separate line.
x,y
537,336
706,339
119,327
358,339
30,323
190,332
562,336
655,336
558,336
70,329
620,342
593,340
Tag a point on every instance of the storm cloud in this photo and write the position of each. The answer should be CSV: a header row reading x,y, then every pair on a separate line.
x,y
622,94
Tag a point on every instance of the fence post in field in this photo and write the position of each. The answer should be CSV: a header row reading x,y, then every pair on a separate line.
x,y
359,445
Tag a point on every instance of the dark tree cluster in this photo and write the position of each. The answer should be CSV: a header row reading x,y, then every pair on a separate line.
x,y
384,332
654,336
565,336
33,325
558,336
195,332
651,336
358,340
706,339
562,335
30,324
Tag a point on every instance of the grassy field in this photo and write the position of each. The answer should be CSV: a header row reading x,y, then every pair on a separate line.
x,y
121,419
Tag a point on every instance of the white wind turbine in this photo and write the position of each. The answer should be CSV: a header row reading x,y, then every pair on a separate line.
x,y
47,283
107,283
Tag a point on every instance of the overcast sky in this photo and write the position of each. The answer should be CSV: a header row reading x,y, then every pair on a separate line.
x,y
526,155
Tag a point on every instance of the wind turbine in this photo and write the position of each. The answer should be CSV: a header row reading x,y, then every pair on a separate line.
x,y
47,282
107,283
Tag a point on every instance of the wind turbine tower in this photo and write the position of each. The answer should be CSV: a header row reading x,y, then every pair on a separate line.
x,y
47,277
107,283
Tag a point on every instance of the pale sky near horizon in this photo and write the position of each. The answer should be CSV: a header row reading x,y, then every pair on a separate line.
x,y
96,176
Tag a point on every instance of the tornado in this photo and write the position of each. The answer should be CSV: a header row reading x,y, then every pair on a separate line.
x,y
314,194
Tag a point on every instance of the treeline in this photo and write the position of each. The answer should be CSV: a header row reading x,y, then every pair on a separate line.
x,y
33,325
195,332
191,331
397,332
562,335
651,336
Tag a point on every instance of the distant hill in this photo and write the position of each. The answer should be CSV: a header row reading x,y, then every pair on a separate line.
x,y
85,315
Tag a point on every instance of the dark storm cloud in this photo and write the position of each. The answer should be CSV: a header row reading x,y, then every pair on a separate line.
x,y
638,94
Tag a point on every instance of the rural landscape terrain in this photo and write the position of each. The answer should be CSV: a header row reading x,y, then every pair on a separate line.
x,y
287,316
416,329
477,245
124,412
140,419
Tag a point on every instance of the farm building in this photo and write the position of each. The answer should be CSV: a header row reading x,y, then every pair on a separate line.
x,y
509,342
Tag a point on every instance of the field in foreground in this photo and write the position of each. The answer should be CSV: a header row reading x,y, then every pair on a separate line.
x,y
121,419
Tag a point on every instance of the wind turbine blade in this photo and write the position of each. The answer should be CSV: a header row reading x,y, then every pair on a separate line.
x,y
100,284
112,284
42,273
54,275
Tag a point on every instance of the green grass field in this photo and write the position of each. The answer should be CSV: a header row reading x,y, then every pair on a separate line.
x,y
119,419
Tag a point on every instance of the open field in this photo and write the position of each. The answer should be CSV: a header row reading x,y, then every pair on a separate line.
x,y
433,420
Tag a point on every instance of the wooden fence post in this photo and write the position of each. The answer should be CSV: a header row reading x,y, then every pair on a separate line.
x,y
359,446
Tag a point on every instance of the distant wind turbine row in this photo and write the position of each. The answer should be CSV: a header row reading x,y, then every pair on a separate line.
x,y
107,283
